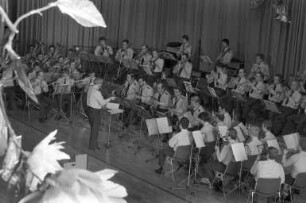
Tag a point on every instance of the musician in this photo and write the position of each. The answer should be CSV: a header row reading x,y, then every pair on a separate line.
x,y
64,97
95,102
157,64
32,75
179,103
226,54
143,59
85,83
130,87
183,68
185,48
295,162
256,93
40,88
179,139
59,65
296,122
253,144
102,49
223,157
162,99
289,107
196,110
276,90
125,52
145,94
260,67
9,84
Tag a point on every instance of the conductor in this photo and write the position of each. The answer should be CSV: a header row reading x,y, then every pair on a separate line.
x,y
95,102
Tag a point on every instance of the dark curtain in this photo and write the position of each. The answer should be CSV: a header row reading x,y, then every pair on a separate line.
x,y
156,22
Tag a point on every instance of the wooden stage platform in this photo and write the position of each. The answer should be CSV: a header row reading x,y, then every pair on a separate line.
x,y
142,184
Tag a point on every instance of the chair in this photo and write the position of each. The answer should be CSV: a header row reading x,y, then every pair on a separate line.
x,y
299,184
233,170
267,187
181,157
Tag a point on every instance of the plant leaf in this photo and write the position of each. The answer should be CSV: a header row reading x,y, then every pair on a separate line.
x,y
83,11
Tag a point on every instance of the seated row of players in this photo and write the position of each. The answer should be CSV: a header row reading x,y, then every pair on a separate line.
x,y
217,154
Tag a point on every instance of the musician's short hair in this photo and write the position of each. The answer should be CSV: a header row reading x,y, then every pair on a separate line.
x,y
261,75
126,41
184,123
162,85
261,56
204,116
102,38
195,99
143,78
184,54
303,143
132,75
186,37
51,46
98,81
226,41
232,133
273,153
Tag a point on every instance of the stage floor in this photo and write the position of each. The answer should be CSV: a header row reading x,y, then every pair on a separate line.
x,y
138,176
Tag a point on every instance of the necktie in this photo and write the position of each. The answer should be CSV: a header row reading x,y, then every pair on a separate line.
x,y
254,87
176,101
181,69
127,89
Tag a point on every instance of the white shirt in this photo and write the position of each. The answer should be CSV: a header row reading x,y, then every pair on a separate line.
x,y
227,120
298,163
180,139
183,70
268,169
95,99
293,101
39,85
268,136
158,65
226,155
255,146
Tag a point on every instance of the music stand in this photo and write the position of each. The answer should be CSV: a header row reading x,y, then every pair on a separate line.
x,y
60,90
271,106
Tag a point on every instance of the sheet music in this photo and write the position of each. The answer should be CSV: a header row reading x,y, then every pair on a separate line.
x,y
198,139
254,149
163,125
111,105
240,135
115,111
239,152
292,140
274,143
152,126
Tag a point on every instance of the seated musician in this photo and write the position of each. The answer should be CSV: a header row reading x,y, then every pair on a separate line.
x,y
178,106
276,90
295,161
125,52
103,49
40,88
32,75
180,139
267,167
240,85
267,134
162,100
226,54
260,67
183,68
296,122
144,96
59,65
256,93
130,87
185,48
224,156
64,97
289,107
157,64
208,136
196,110
253,144
143,59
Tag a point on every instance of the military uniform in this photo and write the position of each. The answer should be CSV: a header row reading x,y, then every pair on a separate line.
x,y
146,93
164,99
276,93
131,90
263,68
179,105
185,48
124,54
225,56
183,70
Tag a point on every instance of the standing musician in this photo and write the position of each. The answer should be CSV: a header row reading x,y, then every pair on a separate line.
x,y
145,94
103,49
125,52
40,88
289,106
95,103
65,80
185,48
183,68
226,54
260,67
257,89
162,100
